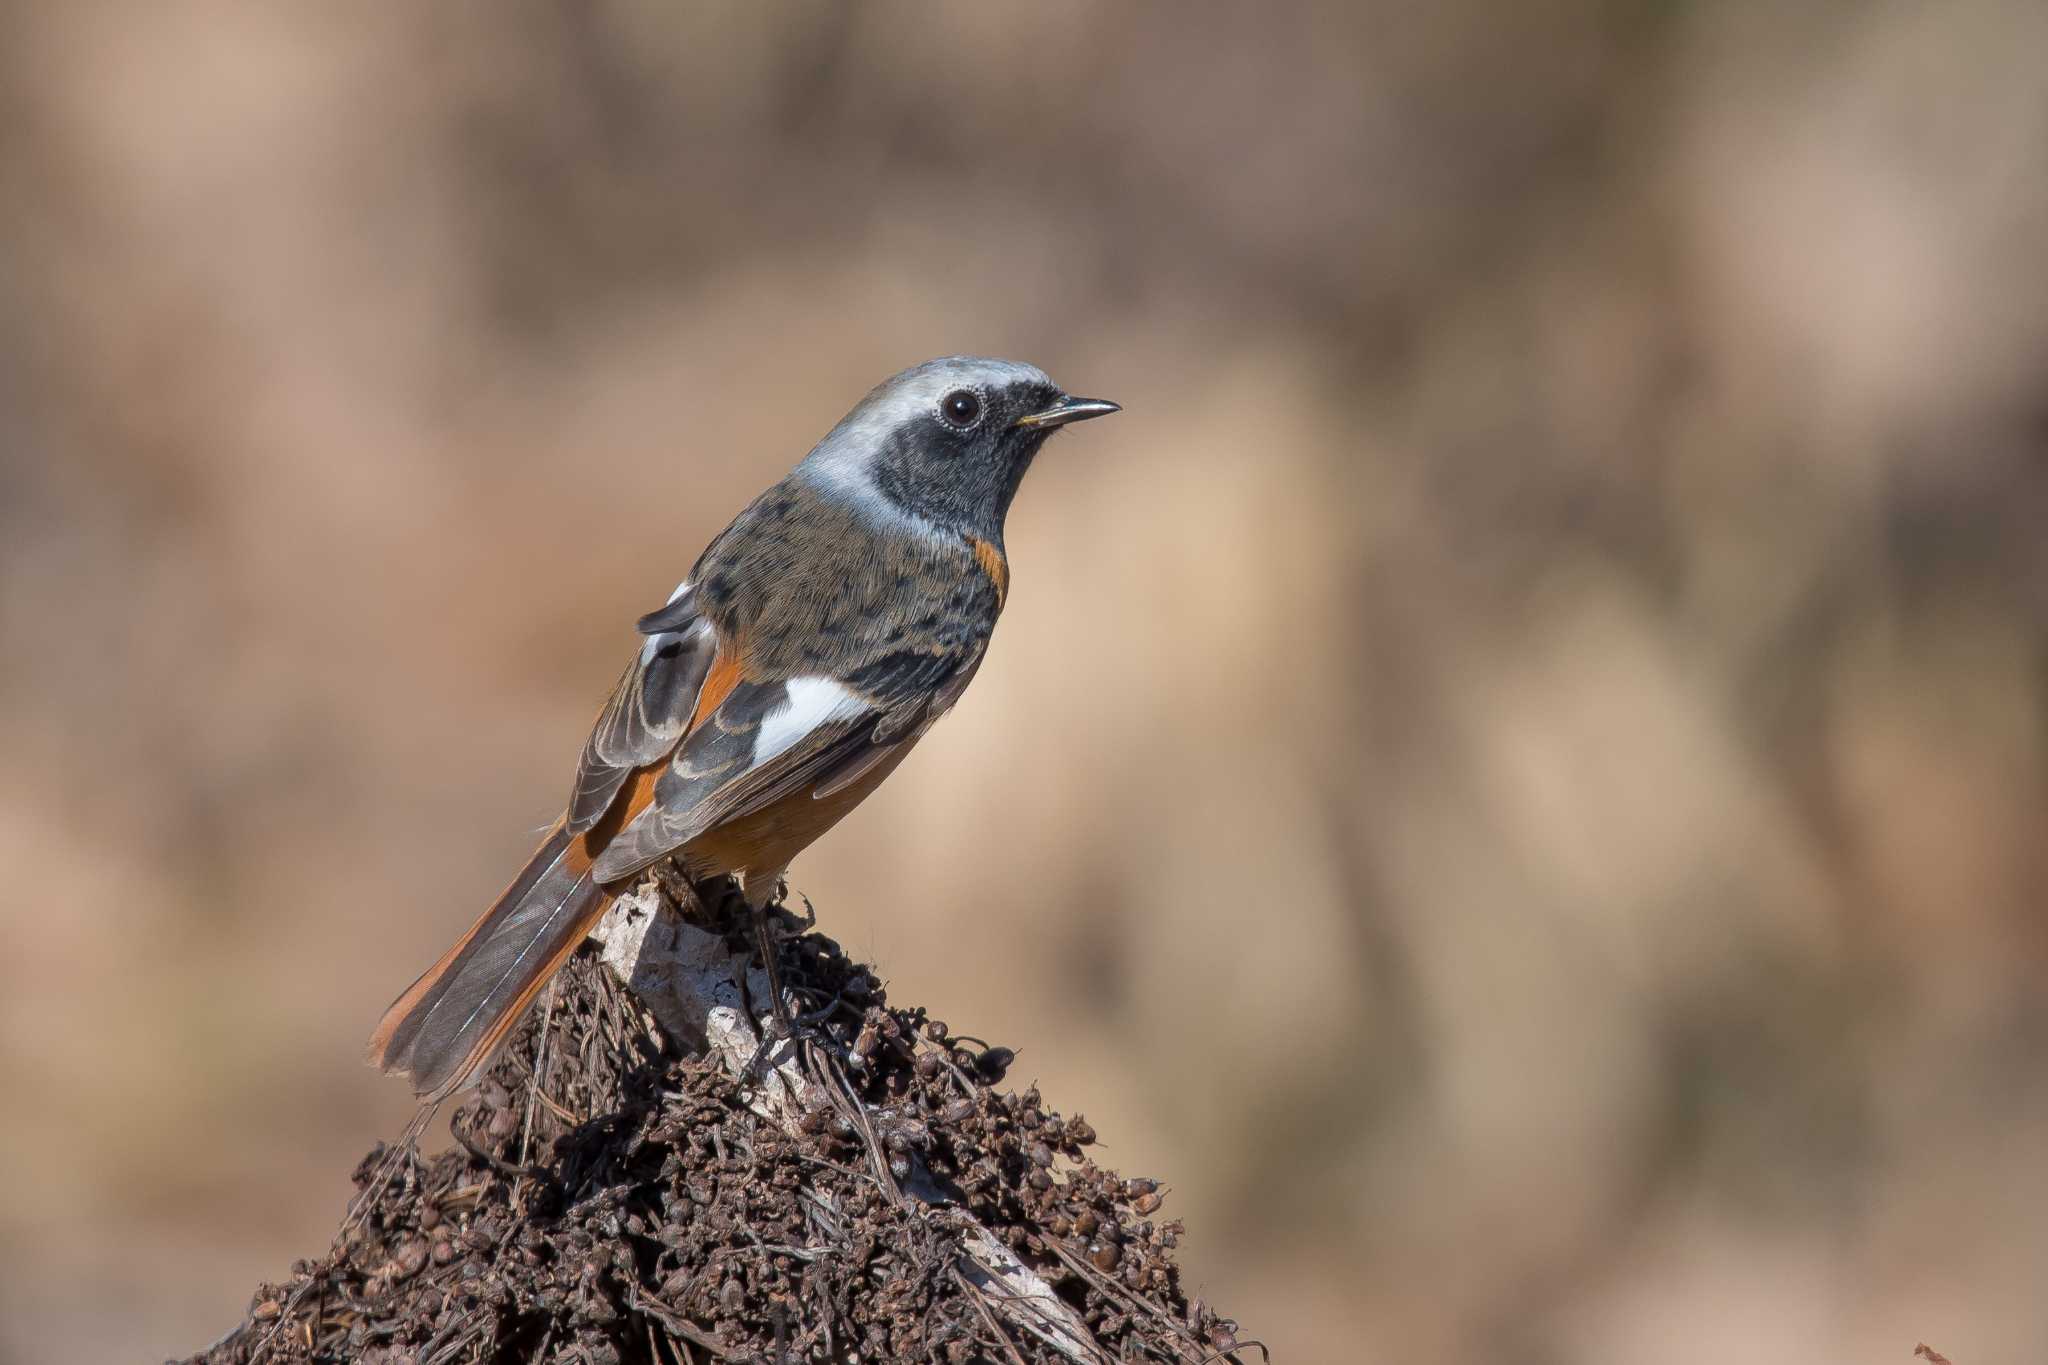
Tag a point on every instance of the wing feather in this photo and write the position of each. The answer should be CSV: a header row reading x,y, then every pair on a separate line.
x,y
647,713
753,742
748,754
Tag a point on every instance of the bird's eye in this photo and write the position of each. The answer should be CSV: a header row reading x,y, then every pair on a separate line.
x,y
961,408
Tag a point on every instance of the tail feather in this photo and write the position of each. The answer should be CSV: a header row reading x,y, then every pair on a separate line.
x,y
451,1019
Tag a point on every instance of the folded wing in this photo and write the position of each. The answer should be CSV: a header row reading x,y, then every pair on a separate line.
x,y
768,740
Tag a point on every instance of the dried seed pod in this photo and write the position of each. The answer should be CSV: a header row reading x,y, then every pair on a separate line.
x,y
1148,1202
995,1062
864,1045
1085,1223
410,1259
1105,1255
444,1251
1079,1132
935,1030
1039,1154
928,1066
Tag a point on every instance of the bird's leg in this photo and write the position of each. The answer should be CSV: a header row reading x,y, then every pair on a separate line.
x,y
715,897
762,893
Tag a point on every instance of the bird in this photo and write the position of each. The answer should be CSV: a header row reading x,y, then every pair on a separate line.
x,y
812,644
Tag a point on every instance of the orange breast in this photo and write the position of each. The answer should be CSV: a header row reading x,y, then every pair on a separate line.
x,y
994,565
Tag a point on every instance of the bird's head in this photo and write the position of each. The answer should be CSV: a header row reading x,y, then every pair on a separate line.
x,y
947,441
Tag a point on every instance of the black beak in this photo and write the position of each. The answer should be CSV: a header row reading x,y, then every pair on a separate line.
x,y
1069,410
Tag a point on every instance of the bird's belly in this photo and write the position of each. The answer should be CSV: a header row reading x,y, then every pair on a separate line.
x,y
765,841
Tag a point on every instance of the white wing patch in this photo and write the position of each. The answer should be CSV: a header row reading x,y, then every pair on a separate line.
x,y
812,702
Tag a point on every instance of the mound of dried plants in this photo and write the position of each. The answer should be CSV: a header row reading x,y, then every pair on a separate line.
x,y
640,1179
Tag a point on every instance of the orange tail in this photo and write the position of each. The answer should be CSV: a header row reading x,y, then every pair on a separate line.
x,y
450,1021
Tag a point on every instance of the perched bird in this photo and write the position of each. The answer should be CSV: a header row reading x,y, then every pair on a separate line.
x,y
816,639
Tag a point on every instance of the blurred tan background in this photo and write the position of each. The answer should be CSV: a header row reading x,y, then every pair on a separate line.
x,y
1514,774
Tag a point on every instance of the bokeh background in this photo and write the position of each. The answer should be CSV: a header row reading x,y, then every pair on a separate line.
x,y
1513,776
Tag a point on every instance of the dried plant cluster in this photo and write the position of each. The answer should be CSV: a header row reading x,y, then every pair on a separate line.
x,y
610,1199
